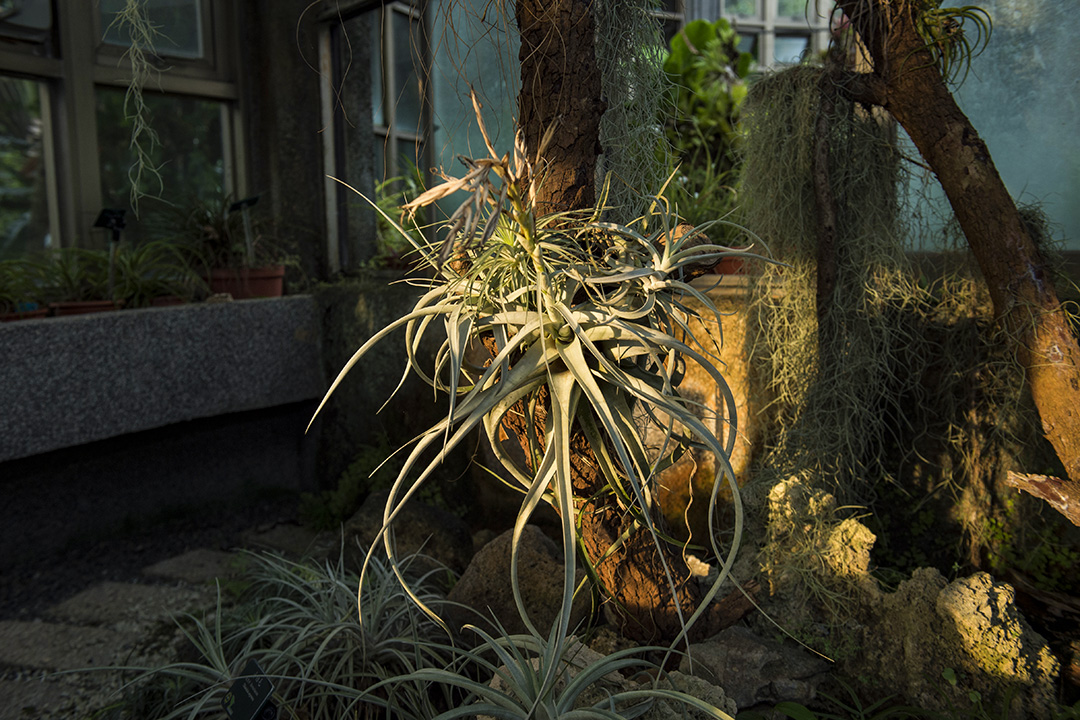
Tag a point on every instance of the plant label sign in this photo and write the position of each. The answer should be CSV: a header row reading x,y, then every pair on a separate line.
x,y
249,696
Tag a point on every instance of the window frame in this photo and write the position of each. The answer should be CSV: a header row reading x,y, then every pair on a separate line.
x,y
83,62
343,249
765,25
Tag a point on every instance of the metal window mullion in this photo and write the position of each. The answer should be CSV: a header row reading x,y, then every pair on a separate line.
x,y
79,159
389,100
331,189
48,142
175,84
427,114
26,64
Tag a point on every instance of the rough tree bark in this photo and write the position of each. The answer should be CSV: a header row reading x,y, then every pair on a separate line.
x,y
560,94
560,90
906,82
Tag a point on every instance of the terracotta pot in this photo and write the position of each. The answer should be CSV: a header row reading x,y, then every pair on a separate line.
x,y
83,307
243,283
166,300
24,315
730,265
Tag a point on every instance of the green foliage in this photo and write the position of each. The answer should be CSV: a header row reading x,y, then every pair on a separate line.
x,y
212,235
943,31
21,285
1037,548
153,269
74,274
24,223
829,377
390,195
298,620
371,469
708,76
629,49
956,704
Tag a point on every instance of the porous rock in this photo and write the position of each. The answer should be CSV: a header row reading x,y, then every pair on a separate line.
x,y
418,528
753,670
970,626
981,615
485,585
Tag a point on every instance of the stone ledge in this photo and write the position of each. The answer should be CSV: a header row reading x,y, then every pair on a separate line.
x,y
72,380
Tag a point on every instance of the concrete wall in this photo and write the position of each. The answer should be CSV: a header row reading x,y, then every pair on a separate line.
x,y
352,311
73,380
111,420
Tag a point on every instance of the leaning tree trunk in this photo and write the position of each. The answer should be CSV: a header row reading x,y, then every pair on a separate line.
x,y
561,97
906,82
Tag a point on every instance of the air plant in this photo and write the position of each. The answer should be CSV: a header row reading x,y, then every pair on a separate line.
x,y
585,318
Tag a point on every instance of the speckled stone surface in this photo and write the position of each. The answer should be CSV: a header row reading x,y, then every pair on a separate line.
x,y
115,602
199,566
53,646
72,380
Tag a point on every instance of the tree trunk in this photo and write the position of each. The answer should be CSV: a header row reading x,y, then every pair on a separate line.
x,y
560,95
560,91
906,82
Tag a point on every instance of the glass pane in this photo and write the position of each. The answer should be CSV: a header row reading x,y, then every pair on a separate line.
x,y
189,155
378,114
178,24
380,158
750,44
793,8
24,197
407,81
27,20
789,49
671,28
742,8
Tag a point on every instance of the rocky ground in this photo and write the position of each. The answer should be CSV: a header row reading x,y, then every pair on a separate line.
x,y
110,602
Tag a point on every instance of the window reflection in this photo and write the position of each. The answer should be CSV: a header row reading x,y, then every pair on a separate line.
x,y
750,44
789,49
24,197
178,24
792,8
742,8
28,21
189,155
408,105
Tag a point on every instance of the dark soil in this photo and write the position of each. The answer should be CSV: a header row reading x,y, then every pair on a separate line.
x,y
29,587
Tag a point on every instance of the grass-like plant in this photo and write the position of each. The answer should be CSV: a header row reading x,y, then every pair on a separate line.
x,y
535,678
586,322
298,621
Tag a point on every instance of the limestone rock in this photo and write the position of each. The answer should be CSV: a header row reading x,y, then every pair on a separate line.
x,y
485,585
418,528
753,670
847,549
970,626
983,618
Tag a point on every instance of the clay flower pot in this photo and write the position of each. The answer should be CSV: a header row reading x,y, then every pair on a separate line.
x,y
244,283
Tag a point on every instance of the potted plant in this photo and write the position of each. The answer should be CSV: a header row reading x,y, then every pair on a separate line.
x,y
155,273
231,249
77,281
392,249
20,291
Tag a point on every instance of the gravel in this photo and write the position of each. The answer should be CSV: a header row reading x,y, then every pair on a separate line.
x,y
30,587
